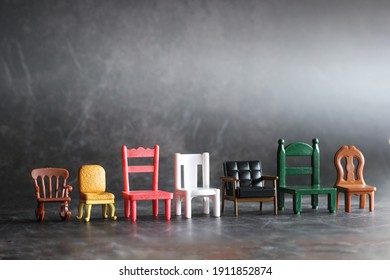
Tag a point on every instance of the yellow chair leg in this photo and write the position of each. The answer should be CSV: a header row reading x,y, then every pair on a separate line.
x,y
104,211
80,208
87,212
112,211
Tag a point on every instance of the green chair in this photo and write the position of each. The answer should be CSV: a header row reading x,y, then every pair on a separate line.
x,y
300,149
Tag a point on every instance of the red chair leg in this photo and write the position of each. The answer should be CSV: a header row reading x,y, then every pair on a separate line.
x,y
155,207
127,208
133,210
167,209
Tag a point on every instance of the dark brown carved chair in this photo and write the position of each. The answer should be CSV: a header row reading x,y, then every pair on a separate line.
x,y
350,179
50,187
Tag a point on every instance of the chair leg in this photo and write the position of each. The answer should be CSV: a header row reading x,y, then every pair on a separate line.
x,y
337,199
314,201
261,207
167,209
111,206
104,211
362,203
235,208
217,206
178,205
371,196
88,208
81,211
347,199
127,208
64,211
187,206
222,205
206,205
275,206
155,207
297,203
332,202
40,212
280,200
133,210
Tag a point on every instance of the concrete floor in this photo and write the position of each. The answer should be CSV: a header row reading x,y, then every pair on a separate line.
x,y
315,234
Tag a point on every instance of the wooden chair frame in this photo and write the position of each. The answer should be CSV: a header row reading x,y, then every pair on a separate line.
x,y
350,179
51,194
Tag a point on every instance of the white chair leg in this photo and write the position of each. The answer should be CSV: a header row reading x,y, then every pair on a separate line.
x,y
178,205
217,204
206,205
187,206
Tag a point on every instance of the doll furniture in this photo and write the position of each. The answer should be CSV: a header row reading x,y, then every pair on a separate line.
x,y
243,181
50,187
300,150
350,179
187,186
153,193
92,191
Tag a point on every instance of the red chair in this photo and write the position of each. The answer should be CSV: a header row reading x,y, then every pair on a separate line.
x,y
154,194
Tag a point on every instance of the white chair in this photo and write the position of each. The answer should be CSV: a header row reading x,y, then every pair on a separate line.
x,y
186,183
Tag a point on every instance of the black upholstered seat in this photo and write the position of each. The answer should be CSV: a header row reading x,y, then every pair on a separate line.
x,y
243,181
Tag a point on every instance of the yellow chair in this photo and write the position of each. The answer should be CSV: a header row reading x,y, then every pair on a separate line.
x,y
92,189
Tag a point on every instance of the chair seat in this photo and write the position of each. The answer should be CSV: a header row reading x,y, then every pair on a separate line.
x,y
198,191
355,188
97,196
305,189
253,192
54,199
147,195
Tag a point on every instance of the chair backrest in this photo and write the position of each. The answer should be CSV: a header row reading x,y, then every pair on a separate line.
x,y
187,178
248,173
349,173
50,182
91,179
140,152
299,149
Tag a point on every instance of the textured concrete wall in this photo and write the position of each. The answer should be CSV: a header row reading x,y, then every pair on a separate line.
x,y
78,79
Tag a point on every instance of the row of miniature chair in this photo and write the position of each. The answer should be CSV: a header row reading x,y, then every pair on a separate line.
x,y
243,181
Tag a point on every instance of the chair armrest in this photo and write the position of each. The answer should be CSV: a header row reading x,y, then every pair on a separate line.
x,y
68,189
268,177
228,179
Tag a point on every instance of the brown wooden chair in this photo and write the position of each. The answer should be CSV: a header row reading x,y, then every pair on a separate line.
x,y
350,179
50,187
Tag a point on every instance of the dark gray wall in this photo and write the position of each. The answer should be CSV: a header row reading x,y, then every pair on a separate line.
x,y
80,78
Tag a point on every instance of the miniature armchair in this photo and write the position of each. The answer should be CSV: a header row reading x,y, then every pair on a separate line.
x,y
301,150
152,193
186,184
50,187
92,190
243,181
350,179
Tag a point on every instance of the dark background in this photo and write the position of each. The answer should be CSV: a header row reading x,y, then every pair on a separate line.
x,y
78,79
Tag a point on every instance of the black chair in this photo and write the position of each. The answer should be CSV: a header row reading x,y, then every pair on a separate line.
x,y
243,182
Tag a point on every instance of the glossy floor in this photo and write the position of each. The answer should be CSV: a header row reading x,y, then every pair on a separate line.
x,y
251,235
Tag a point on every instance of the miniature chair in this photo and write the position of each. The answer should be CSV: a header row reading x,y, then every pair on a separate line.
x,y
92,189
300,149
243,181
45,193
186,183
132,196
350,180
